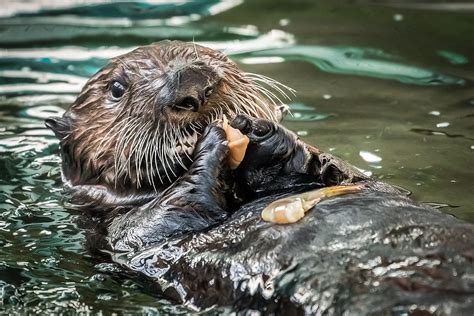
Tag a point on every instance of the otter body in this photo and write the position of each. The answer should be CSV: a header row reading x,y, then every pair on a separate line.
x,y
143,153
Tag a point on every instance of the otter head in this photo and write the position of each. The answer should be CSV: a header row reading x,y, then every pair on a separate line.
x,y
134,125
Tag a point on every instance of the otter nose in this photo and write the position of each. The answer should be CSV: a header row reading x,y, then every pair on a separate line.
x,y
189,100
193,88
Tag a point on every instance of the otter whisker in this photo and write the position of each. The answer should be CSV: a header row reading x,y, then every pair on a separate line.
x,y
228,109
149,171
254,109
250,94
270,96
260,86
262,105
125,133
165,156
161,152
140,151
156,142
181,143
195,49
106,140
272,82
122,161
249,109
172,146
177,136
259,103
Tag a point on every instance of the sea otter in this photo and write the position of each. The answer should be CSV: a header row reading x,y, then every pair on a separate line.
x,y
144,154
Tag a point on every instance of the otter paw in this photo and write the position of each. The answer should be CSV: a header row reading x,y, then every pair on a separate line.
x,y
257,130
268,142
212,145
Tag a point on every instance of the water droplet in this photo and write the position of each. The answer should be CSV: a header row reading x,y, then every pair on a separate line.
x,y
435,113
398,17
369,157
442,125
284,22
327,96
302,133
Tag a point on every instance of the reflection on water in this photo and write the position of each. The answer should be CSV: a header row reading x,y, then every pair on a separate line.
x,y
302,112
334,55
362,62
102,13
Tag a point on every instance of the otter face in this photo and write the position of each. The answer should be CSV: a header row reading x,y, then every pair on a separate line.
x,y
136,122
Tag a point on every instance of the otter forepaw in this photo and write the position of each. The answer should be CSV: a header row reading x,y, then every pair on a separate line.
x,y
275,158
212,144
210,157
269,141
257,130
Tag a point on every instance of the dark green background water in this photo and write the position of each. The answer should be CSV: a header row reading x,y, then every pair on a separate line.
x,y
388,87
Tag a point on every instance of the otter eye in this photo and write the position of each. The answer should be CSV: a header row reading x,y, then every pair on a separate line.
x,y
117,90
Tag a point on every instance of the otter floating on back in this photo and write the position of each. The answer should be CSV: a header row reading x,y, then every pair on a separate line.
x,y
142,152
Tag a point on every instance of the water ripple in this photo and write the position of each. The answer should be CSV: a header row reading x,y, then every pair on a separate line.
x,y
362,62
99,13
429,132
303,112
65,70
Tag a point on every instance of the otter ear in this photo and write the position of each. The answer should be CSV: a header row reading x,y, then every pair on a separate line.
x,y
59,125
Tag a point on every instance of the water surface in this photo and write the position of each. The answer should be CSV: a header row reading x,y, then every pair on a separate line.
x,y
388,87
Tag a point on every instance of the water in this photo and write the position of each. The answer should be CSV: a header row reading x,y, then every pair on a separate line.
x,y
388,87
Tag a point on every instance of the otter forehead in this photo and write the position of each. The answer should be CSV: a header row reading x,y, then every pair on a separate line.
x,y
173,56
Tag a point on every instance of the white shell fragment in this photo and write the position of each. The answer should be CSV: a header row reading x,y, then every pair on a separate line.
x,y
292,208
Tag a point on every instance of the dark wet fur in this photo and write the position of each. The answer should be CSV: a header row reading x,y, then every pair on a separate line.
x,y
328,262
200,240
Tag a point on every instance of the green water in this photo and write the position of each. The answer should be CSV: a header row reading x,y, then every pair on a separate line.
x,y
387,87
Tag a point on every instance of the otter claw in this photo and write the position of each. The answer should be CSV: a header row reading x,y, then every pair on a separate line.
x,y
292,208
